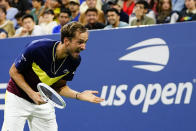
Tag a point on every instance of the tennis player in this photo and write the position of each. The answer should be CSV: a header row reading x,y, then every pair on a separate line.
x,y
50,62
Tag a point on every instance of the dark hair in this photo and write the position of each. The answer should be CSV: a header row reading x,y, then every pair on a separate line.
x,y
66,10
49,12
112,2
91,10
69,30
142,2
3,8
163,14
27,16
160,4
112,10
152,3
19,15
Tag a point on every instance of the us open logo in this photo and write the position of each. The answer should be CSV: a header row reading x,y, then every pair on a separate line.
x,y
152,54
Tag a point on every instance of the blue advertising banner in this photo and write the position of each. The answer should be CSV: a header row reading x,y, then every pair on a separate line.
x,y
146,75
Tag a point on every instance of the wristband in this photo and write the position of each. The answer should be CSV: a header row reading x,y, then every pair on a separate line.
x,y
77,96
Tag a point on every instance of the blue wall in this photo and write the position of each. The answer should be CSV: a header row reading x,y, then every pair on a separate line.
x,y
146,75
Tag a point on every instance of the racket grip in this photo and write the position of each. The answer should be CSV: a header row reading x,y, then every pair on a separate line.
x,y
44,98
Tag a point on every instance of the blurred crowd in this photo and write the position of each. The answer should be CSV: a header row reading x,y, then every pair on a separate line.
x,y
19,18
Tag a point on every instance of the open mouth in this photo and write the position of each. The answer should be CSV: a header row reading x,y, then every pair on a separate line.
x,y
77,51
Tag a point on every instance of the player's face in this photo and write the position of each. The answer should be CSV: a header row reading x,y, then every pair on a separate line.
x,y
77,44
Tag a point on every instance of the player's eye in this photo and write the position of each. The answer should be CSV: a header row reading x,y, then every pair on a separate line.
x,y
82,42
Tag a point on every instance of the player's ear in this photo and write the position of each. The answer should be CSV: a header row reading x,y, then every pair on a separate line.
x,y
66,41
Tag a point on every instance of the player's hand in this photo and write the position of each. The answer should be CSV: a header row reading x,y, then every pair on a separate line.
x,y
89,96
36,97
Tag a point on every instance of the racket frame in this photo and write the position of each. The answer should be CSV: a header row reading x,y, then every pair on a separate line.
x,y
46,99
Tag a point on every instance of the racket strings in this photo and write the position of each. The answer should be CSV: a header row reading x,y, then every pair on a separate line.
x,y
51,96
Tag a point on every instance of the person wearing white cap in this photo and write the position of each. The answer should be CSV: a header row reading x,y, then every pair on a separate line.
x,y
74,6
92,4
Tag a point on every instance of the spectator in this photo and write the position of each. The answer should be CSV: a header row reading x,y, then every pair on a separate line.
x,y
84,6
113,17
123,16
165,13
177,5
37,9
141,7
3,34
74,7
148,12
92,4
54,5
11,11
107,4
18,18
48,24
65,3
91,16
64,18
5,24
28,27
190,13
153,5
128,6
22,5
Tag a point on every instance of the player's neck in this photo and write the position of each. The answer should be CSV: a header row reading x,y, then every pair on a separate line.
x,y
60,52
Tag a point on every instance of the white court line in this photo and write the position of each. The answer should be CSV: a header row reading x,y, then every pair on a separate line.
x,y
2,106
3,85
2,96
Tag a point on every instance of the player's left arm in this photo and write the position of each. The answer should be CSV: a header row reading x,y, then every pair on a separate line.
x,y
87,95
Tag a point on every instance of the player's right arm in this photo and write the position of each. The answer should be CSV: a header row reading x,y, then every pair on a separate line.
x,y
20,81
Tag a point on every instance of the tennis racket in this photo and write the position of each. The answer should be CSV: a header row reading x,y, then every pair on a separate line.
x,y
51,96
